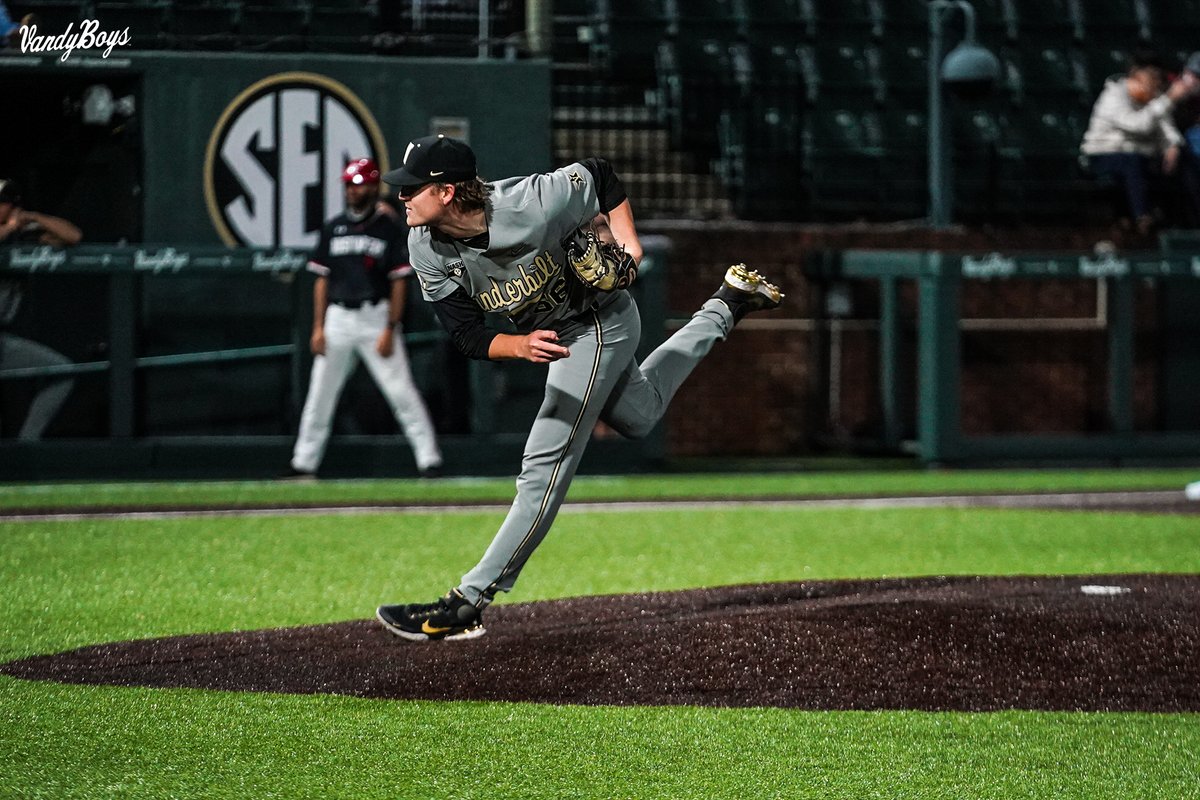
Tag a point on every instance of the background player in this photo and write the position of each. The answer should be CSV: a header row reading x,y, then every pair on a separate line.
x,y
19,225
361,262
499,247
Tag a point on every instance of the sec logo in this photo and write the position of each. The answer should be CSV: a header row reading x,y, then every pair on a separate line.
x,y
274,160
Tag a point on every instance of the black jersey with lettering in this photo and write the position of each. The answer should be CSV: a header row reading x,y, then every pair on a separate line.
x,y
361,257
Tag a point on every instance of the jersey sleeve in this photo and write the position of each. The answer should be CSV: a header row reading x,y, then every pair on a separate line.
x,y
318,260
431,274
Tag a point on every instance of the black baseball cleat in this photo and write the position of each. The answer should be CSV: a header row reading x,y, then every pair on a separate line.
x,y
451,617
744,290
298,476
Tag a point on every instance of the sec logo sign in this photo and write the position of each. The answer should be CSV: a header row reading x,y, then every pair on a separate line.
x,y
272,170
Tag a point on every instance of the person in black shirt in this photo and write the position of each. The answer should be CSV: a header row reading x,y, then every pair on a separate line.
x,y
361,262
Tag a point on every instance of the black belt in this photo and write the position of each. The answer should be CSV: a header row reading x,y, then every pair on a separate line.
x,y
356,304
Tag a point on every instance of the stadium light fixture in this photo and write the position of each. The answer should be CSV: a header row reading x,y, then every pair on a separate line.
x,y
970,70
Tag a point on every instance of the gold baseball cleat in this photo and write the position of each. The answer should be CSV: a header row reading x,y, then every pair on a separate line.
x,y
744,290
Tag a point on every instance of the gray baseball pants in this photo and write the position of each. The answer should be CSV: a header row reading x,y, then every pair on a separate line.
x,y
601,380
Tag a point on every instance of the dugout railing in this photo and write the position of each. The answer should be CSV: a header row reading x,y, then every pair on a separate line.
x,y
939,279
256,378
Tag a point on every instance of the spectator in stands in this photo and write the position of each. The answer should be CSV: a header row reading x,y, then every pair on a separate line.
x,y
1187,111
10,32
1132,139
19,226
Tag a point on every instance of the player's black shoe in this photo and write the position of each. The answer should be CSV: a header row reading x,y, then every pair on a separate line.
x,y
744,290
451,617
298,476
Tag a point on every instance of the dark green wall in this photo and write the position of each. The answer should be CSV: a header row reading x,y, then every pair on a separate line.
x,y
181,97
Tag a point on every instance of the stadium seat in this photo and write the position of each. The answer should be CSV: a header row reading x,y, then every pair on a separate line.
x,y
335,27
1050,72
697,80
1116,22
707,19
1102,62
903,170
904,70
848,72
1039,19
996,20
760,161
53,16
1048,137
629,35
785,74
1175,26
201,24
273,27
842,155
849,18
782,22
146,21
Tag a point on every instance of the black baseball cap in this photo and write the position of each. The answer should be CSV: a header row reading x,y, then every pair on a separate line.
x,y
434,159
10,191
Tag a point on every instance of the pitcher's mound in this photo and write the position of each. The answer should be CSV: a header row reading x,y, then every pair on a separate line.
x,y
1102,643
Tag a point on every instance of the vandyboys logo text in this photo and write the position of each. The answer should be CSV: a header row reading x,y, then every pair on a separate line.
x,y
87,37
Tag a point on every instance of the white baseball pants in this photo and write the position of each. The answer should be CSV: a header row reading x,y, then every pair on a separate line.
x,y
350,335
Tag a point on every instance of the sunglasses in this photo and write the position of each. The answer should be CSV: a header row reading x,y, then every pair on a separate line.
x,y
409,192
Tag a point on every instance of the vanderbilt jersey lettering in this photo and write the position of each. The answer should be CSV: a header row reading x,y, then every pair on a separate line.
x,y
529,286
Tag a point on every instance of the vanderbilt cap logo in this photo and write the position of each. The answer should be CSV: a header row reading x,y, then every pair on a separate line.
x,y
275,159
434,159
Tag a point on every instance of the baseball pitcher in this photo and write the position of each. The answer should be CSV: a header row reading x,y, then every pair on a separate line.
x,y
526,248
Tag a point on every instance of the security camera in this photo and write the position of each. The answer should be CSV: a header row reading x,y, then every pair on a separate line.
x,y
970,70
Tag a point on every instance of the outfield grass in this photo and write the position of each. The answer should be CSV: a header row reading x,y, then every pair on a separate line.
x,y
739,485
66,585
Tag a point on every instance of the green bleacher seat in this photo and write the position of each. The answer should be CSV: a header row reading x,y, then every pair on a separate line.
x,y
905,70
849,17
1053,182
630,32
848,72
760,161
1037,19
273,27
771,22
710,19
842,153
1102,62
335,28
1175,27
784,74
146,21
903,173
1037,71
1108,22
205,24
697,80
53,16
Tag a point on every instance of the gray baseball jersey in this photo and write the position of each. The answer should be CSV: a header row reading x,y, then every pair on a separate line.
x,y
522,273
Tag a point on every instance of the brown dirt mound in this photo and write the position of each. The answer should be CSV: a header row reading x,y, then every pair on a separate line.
x,y
932,643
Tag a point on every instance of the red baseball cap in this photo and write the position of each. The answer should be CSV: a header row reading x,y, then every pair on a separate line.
x,y
363,170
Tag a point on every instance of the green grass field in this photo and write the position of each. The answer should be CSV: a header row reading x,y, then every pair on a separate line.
x,y
64,585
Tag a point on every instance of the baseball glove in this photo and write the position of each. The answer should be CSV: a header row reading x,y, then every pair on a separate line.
x,y
600,264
